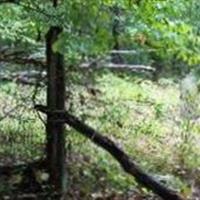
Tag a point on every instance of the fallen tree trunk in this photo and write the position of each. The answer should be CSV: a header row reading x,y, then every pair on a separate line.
x,y
125,161
130,67
25,77
19,57
23,61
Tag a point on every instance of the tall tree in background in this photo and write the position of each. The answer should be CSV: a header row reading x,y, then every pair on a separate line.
x,y
116,26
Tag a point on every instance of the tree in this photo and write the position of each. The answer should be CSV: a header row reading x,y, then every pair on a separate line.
x,y
55,148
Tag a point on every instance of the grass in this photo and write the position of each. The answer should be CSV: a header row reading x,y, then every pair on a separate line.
x,y
143,117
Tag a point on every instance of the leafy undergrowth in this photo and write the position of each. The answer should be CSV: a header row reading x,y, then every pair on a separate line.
x,y
141,116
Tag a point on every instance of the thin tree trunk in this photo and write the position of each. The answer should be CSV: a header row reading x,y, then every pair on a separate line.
x,y
55,147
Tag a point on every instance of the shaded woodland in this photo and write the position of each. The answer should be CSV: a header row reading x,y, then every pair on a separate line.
x,y
99,99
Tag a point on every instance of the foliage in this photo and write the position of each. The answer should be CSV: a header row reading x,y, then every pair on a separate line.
x,y
87,27
161,24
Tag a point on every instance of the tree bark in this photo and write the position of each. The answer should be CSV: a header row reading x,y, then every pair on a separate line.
x,y
124,160
55,148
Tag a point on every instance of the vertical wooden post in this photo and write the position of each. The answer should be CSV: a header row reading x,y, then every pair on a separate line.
x,y
55,148
55,101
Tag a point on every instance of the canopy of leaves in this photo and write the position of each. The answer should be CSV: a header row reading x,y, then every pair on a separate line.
x,y
87,26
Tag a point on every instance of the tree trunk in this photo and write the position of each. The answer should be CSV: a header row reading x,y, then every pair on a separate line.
x,y
55,147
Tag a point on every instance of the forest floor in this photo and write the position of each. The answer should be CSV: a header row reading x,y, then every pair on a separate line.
x,y
147,119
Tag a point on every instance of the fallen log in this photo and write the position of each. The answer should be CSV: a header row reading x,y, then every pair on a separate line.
x,y
23,61
124,160
31,77
21,57
98,63
113,66
130,51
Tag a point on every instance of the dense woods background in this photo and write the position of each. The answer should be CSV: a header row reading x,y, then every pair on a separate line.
x,y
99,99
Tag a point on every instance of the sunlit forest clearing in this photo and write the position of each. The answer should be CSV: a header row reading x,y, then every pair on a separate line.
x,y
99,100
